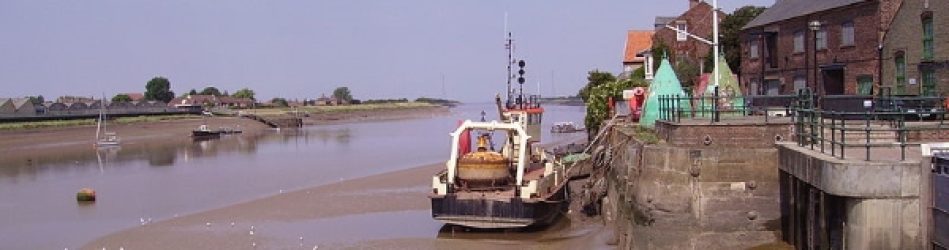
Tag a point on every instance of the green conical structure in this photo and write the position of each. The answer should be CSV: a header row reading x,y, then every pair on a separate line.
x,y
729,93
665,83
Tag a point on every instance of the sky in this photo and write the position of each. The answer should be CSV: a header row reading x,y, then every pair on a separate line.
x,y
303,49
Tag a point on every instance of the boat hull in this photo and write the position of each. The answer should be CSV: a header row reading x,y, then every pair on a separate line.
x,y
495,213
205,134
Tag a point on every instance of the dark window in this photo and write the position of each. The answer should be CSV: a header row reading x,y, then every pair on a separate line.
x,y
799,42
929,82
928,38
847,34
864,84
771,50
900,62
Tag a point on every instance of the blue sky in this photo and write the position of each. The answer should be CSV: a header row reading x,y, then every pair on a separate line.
x,y
301,49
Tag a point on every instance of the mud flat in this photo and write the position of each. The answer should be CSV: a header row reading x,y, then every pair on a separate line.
x,y
385,211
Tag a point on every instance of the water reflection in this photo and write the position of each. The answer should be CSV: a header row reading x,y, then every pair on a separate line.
x,y
162,177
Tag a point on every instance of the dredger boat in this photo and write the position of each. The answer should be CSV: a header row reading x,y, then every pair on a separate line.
x,y
518,186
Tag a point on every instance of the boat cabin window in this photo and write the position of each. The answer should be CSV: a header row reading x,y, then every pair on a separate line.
x,y
534,119
515,118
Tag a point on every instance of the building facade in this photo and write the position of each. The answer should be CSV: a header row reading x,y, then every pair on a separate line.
x,y
829,46
916,49
637,42
697,20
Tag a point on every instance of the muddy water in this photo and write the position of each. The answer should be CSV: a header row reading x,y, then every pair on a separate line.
x,y
161,179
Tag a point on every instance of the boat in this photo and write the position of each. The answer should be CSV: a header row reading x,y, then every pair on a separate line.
x,y
565,127
519,186
104,138
204,131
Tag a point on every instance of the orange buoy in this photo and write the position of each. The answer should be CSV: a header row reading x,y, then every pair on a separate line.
x,y
86,195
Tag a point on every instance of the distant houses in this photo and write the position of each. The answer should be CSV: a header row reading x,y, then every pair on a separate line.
x,y
16,106
211,100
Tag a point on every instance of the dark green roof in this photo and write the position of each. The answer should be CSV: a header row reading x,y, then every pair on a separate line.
x,y
787,9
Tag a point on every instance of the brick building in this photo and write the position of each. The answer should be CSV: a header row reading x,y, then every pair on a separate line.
x,y
779,46
916,49
696,20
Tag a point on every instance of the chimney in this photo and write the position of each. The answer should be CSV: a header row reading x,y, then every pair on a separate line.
x,y
693,3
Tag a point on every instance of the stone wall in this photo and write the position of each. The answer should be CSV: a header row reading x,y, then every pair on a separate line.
x,y
668,196
745,135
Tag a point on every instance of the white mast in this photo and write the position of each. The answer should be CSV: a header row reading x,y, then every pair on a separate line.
x,y
715,40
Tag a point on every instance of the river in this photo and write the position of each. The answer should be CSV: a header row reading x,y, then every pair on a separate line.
x,y
157,180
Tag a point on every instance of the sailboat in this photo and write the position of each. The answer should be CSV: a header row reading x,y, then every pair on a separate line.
x,y
104,138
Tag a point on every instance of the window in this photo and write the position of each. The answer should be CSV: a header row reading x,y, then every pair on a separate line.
x,y
900,61
928,38
846,34
753,49
800,82
683,28
864,85
929,82
821,37
799,42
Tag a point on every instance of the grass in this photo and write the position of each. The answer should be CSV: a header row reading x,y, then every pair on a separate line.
x,y
343,108
88,122
645,135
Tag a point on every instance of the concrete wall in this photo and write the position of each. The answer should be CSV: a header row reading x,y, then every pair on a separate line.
x,y
832,203
748,135
678,197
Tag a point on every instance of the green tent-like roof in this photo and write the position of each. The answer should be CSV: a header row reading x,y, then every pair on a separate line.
x,y
728,90
664,84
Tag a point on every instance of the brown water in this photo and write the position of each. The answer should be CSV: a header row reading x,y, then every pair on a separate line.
x,y
157,180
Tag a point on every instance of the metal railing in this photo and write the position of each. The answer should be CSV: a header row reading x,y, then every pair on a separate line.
x,y
716,108
876,121
825,123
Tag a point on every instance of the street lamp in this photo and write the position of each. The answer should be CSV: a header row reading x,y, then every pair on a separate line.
x,y
815,26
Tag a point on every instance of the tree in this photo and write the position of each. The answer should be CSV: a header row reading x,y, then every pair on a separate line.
x,y
731,28
280,102
121,98
594,79
244,93
37,100
159,89
686,70
210,91
343,94
193,92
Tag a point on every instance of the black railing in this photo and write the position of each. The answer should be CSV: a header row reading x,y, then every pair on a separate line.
x,y
716,108
876,121
824,123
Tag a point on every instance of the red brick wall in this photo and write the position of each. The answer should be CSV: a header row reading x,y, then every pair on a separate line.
x,y
860,59
723,135
699,21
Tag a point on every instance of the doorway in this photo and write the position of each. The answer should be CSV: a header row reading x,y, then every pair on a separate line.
x,y
833,81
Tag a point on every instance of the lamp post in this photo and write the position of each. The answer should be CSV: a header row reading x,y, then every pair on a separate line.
x,y
815,27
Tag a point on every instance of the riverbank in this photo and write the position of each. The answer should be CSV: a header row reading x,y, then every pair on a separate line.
x,y
30,142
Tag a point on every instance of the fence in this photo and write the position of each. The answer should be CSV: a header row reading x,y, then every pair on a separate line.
x,y
838,122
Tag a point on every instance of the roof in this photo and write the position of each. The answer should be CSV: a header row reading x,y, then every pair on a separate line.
x,y
787,9
665,83
661,21
20,102
135,96
637,42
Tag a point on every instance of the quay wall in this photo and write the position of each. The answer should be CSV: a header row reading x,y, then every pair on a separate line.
x,y
686,193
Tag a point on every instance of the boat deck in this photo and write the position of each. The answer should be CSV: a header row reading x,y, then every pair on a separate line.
x,y
534,172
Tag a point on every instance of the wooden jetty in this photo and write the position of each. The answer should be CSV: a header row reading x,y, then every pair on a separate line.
x,y
277,121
